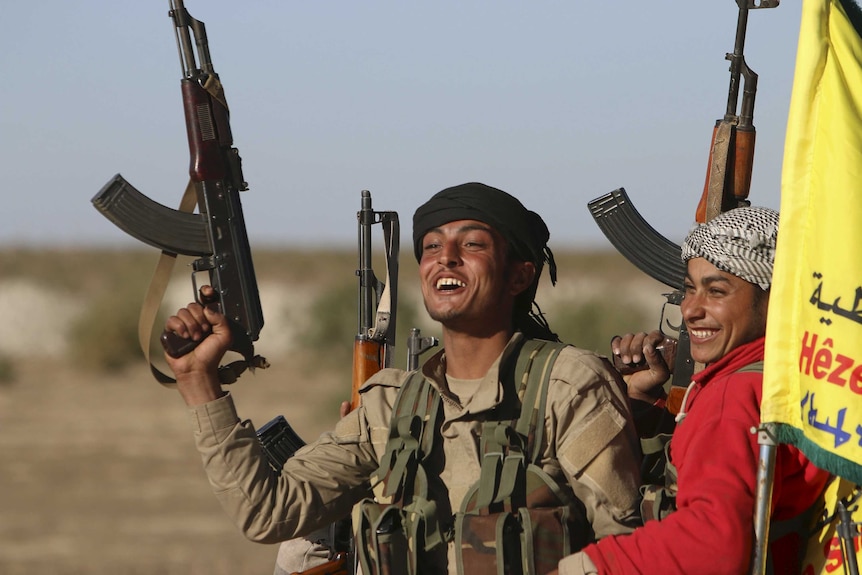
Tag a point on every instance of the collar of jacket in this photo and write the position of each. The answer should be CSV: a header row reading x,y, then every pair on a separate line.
x,y
491,391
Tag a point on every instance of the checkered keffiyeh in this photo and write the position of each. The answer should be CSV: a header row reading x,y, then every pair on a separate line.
x,y
740,242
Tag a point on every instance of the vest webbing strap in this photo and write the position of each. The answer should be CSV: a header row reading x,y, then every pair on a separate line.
x,y
416,407
531,422
660,501
156,292
512,444
508,447
414,427
756,367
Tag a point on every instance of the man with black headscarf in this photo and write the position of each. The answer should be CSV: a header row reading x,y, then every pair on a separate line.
x,y
506,449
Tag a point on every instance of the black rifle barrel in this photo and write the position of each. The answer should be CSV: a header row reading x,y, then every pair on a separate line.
x,y
182,20
365,273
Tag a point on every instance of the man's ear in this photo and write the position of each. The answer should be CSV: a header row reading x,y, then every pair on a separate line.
x,y
521,276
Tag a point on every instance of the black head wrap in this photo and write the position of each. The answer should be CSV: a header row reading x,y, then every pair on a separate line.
x,y
524,231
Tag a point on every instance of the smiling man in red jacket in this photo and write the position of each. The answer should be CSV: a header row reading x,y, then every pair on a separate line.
x,y
726,293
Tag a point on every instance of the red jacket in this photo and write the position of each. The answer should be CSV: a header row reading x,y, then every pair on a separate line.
x,y
716,456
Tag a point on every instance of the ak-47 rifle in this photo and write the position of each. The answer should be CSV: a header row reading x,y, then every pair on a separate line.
x,y
728,180
731,154
374,344
416,346
217,235
375,340
848,531
372,349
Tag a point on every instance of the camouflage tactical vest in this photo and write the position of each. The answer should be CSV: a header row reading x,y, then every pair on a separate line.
x,y
515,520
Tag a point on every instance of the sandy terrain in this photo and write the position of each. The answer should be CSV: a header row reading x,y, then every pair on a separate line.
x,y
100,474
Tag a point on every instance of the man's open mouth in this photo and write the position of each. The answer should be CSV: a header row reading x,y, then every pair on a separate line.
x,y
446,284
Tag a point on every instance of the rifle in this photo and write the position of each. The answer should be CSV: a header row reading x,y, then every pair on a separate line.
x,y
372,352
217,235
728,180
279,442
731,154
416,346
374,343
372,349
848,531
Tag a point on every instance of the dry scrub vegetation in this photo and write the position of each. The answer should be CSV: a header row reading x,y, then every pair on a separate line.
x,y
99,471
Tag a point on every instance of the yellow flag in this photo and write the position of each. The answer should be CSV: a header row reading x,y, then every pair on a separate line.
x,y
813,369
823,553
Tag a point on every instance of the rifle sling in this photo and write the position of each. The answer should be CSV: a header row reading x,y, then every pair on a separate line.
x,y
156,293
384,323
153,300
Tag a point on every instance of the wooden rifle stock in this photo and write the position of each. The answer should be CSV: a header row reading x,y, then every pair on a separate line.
x,y
731,152
743,161
729,168
377,298
367,360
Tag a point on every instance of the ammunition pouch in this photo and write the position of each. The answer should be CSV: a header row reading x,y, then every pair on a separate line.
x,y
394,538
524,541
385,547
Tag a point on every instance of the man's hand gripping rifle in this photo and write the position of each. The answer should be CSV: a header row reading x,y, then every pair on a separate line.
x,y
728,180
217,235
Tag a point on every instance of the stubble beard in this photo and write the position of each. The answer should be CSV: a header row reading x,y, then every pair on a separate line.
x,y
442,316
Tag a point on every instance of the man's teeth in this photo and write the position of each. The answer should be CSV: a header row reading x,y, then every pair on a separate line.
x,y
449,283
700,332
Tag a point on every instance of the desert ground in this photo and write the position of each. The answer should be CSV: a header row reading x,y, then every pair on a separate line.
x,y
99,470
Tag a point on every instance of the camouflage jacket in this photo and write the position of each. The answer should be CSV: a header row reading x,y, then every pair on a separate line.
x,y
589,443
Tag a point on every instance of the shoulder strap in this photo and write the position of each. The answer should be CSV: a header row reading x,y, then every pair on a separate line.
x,y
756,367
531,423
659,501
509,446
415,410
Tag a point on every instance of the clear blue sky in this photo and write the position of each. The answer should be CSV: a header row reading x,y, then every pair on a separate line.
x,y
557,102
